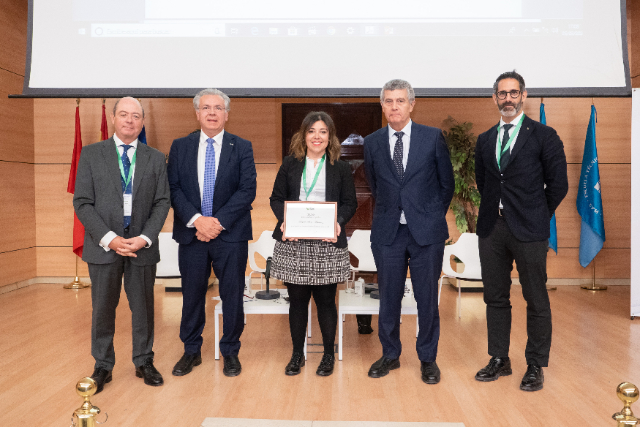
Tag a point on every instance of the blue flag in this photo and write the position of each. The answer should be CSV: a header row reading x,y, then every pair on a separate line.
x,y
553,236
589,201
143,136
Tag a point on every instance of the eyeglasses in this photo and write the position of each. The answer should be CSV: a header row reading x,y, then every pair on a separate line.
x,y
503,94
208,108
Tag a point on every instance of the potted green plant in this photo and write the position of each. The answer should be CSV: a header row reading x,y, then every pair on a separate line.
x,y
466,198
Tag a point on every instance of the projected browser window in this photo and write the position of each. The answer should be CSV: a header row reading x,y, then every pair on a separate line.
x,y
331,18
328,48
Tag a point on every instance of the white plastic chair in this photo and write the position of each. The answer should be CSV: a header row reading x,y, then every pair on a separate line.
x,y
168,265
263,246
360,246
466,250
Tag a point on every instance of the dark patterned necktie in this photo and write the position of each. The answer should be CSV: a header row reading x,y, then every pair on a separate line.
x,y
504,158
126,188
397,155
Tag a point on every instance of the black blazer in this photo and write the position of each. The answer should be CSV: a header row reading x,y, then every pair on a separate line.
x,y
537,159
340,188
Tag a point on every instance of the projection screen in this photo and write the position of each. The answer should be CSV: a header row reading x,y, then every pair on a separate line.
x,y
332,48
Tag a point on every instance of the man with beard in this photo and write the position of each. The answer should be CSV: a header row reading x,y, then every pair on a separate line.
x,y
521,173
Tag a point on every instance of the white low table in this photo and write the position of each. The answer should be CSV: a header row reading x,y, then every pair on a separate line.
x,y
258,306
353,304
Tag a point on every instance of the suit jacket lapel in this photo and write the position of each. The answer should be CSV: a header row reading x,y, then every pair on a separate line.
x,y
383,141
296,173
110,154
521,140
192,162
228,145
492,139
332,180
416,153
142,161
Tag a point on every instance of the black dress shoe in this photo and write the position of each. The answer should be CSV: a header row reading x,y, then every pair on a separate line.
x,y
150,374
364,324
497,367
382,367
533,378
430,372
186,364
232,367
101,376
326,365
294,365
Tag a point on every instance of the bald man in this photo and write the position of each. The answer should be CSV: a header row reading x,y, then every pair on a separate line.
x,y
122,199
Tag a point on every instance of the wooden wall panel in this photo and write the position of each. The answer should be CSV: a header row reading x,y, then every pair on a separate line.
x,y
17,217
570,118
54,131
16,121
54,206
17,266
13,33
258,120
616,197
609,263
168,119
59,261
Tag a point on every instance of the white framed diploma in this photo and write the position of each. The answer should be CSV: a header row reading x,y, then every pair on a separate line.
x,y
310,220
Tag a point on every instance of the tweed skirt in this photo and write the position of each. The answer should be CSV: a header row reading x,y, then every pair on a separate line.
x,y
310,262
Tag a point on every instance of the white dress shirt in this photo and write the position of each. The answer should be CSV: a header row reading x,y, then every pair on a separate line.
x,y
319,192
406,138
202,159
513,122
106,240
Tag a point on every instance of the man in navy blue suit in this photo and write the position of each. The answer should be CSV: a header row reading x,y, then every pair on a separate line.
x,y
212,177
411,178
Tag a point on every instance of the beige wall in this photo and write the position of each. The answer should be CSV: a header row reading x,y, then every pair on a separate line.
x,y
17,198
36,142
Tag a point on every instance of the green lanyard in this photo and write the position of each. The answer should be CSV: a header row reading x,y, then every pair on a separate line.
x,y
127,179
304,176
512,139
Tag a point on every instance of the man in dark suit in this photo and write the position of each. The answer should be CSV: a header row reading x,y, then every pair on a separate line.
x,y
212,177
122,199
411,178
521,173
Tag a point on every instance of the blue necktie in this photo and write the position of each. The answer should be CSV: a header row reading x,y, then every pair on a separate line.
x,y
126,165
397,155
209,179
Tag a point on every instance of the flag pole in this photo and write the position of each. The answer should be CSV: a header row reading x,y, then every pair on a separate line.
x,y
593,286
76,284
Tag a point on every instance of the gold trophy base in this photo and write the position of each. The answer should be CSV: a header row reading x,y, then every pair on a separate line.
x,y
76,284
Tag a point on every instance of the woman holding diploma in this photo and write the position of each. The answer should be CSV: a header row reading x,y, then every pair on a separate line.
x,y
312,172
